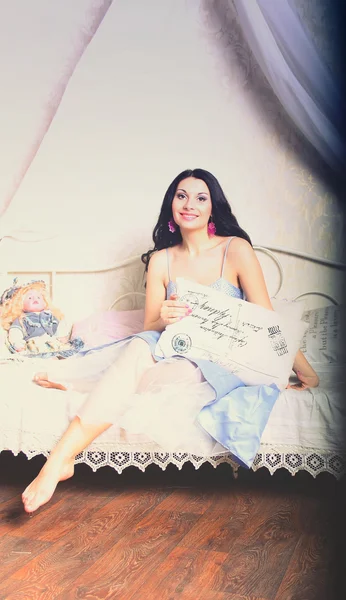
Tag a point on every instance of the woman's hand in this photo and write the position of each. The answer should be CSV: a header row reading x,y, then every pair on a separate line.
x,y
305,382
307,376
173,311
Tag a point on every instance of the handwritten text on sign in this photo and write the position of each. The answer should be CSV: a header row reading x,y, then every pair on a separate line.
x,y
245,338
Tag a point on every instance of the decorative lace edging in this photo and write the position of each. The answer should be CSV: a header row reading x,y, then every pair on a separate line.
x,y
313,462
122,454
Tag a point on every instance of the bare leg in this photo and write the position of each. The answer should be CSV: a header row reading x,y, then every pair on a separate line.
x,y
60,464
121,379
79,373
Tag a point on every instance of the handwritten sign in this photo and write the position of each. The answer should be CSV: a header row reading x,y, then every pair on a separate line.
x,y
256,344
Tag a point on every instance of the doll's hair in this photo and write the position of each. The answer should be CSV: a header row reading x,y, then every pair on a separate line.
x,y
12,308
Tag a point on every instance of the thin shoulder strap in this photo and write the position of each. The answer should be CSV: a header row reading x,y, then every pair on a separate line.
x,y
168,270
225,255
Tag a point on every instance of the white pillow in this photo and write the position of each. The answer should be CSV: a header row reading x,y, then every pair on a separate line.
x,y
324,340
256,344
289,309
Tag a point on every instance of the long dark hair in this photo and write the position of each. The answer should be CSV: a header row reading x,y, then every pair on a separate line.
x,y
225,222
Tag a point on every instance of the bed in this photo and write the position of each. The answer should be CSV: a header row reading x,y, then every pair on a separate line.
x,y
305,430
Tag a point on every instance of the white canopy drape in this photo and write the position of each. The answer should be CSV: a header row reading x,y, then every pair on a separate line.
x,y
296,73
152,94
41,43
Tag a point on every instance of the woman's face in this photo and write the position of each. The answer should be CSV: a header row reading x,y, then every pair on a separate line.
x,y
191,206
34,301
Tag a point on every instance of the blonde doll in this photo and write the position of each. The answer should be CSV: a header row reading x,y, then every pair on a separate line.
x,y
35,327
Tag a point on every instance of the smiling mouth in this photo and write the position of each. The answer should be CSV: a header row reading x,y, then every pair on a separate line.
x,y
188,216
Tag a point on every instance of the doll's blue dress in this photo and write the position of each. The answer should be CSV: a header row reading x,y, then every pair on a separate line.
x,y
37,324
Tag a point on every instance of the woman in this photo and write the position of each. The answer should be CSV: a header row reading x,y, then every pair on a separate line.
x,y
196,237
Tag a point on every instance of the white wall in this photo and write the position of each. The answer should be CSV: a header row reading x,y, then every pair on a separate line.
x,y
164,86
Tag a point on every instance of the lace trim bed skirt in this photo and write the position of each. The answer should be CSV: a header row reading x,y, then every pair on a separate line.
x,y
119,456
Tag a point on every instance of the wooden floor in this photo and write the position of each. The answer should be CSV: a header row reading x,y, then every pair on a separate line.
x,y
197,535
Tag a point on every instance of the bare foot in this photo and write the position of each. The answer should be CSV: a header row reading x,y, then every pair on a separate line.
x,y
43,487
42,380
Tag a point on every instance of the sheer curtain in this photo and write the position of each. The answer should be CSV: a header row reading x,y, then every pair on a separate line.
x,y
296,72
41,43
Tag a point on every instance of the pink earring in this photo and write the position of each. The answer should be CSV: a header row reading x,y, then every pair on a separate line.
x,y
171,226
211,228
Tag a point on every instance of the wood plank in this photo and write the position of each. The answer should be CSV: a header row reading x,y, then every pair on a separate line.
x,y
20,590
187,500
16,552
184,571
222,522
261,554
231,525
58,519
124,569
10,589
13,516
308,576
8,492
211,595
57,568
116,518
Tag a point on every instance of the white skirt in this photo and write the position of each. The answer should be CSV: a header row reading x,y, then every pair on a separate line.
x,y
129,389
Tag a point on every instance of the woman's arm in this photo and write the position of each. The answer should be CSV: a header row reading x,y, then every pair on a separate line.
x,y
155,293
242,256
305,373
160,312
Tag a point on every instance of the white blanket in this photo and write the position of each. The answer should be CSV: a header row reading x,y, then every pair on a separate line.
x,y
32,418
